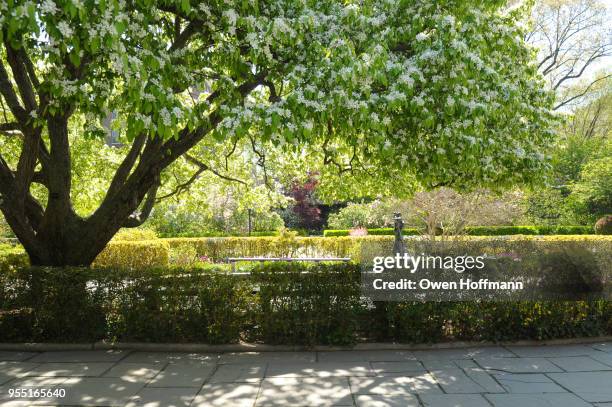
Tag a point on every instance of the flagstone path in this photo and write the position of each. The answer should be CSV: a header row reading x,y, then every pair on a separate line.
x,y
526,376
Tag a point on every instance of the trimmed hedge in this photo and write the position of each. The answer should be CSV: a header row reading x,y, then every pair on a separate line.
x,y
528,230
220,248
134,254
12,257
184,251
277,304
221,234
483,231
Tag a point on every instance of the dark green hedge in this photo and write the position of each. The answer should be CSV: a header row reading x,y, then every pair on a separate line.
x,y
277,304
485,231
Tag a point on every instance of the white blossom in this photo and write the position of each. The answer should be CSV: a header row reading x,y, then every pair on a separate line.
x,y
65,29
422,36
48,7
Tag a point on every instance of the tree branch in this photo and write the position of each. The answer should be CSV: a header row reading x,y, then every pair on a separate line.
x,y
126,165
137,219
182,39
11,126
6,89
21,77
584,92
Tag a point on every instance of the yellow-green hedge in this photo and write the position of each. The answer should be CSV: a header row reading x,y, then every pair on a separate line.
x,y
156,252
134,254
218,248
134,235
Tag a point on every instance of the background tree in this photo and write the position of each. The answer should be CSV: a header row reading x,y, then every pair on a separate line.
x,y
584,138
445,91
573,37
305,210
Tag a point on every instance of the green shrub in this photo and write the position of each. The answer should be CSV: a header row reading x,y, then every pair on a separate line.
x,y
501,230
567,230
12,257
335,233
604,225
78,304
320,307
134,254
132,234
220,234
278,303
483,231
220,248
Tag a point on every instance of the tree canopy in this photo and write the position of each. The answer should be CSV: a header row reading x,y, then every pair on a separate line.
x,y
444,92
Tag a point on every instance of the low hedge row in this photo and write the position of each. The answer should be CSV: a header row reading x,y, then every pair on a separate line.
x,y
162,252
277,304
135,254
482,231
220,234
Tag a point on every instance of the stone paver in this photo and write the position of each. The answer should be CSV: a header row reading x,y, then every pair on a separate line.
x,y
266,357
454,400
579,364
552,351
603,357
419,384
467,353
134,372
536,400
99,391
366,356
519,365
401,400
298,391
170,357
557,376
439,364
528,383
241,373
182,375
603,346
591,386
327,369
163,397
16,356
456,381
80,356
385,368
226,394
12,370
484,379
92,369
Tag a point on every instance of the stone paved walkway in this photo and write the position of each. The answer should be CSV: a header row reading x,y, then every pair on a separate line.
x,y
559,376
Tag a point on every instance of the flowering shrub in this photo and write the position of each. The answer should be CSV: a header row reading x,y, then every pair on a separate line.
x,y
358,232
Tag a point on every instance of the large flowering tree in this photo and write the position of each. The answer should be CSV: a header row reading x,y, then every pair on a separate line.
x,y
442,91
